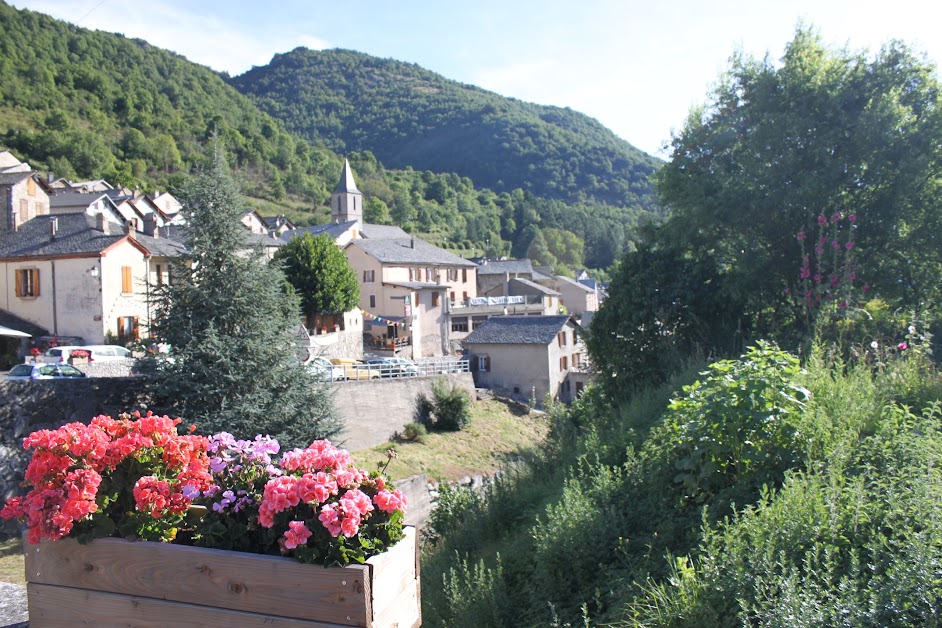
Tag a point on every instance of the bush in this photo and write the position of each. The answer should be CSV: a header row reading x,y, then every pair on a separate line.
x,y
423,410
451,405
414,432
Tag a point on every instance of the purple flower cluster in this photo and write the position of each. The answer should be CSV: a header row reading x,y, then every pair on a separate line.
x,y
237,465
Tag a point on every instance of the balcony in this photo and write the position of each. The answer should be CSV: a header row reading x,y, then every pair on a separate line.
x,y
528,304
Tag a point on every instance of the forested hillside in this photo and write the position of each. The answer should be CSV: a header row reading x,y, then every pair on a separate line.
x,y
408,116
88,104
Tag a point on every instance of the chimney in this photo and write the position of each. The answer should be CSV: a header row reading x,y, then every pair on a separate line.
x,y
412,243
53,228
150,226
129,228
101,222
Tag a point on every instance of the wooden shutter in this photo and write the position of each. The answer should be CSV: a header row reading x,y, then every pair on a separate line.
x,y
126,284
35,274
19,282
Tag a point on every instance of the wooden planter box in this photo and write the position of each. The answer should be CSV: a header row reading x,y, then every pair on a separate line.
x,y
112,582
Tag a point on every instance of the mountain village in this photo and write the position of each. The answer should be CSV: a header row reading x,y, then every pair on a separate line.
x,y
79,262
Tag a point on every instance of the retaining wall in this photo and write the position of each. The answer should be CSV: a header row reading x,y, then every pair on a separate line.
x,y
372,410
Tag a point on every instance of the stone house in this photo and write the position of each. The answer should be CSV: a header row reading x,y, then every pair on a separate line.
x,y
528,357
23,195
78,275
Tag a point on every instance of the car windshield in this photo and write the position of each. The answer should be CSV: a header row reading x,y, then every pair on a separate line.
x,y
70,371
21,369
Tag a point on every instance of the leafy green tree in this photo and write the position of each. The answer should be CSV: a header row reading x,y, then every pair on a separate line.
x,y
320,274
781,144
227,317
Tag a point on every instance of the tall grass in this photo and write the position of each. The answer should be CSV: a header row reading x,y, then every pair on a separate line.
x,y
603,529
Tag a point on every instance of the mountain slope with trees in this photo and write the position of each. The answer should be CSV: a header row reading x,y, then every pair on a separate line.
x,y
87,104
409,116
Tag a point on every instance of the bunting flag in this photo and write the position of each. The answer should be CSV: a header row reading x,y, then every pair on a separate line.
x,y
379,319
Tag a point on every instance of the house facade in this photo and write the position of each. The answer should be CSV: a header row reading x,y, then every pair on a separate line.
x,y
22,193
528,357
78,275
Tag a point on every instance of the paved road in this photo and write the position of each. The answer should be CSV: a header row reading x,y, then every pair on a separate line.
x,y
13,605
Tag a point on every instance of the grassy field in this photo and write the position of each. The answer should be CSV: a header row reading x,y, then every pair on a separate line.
x,y
498,434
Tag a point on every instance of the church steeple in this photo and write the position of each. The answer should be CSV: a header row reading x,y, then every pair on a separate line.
x,y
346,203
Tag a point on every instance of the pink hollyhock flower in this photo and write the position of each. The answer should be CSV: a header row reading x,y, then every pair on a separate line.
x,y
822,220
297,534
852,218
836,216
902,346
801,236
849,245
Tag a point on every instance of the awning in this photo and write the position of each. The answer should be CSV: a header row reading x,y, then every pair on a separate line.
x,y
6,331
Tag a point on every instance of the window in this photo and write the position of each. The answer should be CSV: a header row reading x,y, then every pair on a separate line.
x,y
576,360
464,274
160,275
561,337
372,300
435,297
369,276
563,363
31,186
411,274
459,323
128,330
477,321
27,282
464,297
484,363
452,274
452,296
127,286
429,276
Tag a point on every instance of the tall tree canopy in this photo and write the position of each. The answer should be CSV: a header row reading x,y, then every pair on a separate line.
x,y
320,274
779,149
226,317
824,131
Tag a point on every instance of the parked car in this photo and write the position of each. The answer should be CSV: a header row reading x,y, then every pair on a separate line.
x,y
96,353
41,370
324,370
394,367
355,369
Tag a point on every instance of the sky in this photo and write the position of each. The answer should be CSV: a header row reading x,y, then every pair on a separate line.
x,y
637,67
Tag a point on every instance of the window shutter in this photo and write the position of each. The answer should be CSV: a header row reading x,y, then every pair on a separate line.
x,y
126,285
35,273
19,283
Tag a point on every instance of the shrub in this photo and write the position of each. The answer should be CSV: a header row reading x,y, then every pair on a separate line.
x,y
423,410
451,405
414,432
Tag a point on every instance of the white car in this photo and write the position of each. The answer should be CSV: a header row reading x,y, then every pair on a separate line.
x,y
97,353
324,370
41,370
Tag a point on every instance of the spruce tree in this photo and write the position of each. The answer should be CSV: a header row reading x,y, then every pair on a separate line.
x,y
227,317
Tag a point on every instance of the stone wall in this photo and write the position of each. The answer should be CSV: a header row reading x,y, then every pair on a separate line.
x,y
372,410
27,406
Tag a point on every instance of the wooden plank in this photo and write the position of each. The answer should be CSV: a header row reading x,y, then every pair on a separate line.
x,y
268,585
395,585
64,607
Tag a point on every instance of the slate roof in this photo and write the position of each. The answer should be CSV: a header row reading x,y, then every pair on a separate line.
x,y
512,266
381,232
520,330
347,185
535,286
8,319
263,239
401,251
75,199
574,283
162,246
334,230
12,178
76,235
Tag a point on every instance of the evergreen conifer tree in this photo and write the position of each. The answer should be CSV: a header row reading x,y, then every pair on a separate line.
x,y
227,317
320,274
